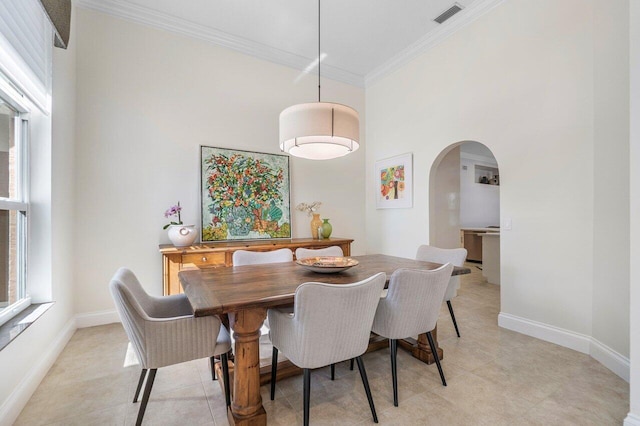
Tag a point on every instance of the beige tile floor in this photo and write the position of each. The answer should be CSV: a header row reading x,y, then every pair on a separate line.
x,y
495,377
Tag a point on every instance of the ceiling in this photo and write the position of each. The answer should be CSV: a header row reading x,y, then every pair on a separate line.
x,y
361,38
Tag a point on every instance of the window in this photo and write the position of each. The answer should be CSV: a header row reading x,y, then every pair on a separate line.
x,y
13,211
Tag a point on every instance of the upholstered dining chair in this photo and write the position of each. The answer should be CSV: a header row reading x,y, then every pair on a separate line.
x,y
411,307
245,257
163,332
303,253
456,257
330,323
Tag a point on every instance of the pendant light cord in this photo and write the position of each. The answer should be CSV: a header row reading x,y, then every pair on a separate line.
x,y
318,50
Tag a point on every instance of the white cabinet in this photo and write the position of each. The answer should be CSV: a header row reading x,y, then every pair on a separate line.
x,y
491,257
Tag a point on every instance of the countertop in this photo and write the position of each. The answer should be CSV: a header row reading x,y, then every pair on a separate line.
x,y
481,229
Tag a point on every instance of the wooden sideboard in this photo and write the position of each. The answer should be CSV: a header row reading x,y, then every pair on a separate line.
x,y
211,255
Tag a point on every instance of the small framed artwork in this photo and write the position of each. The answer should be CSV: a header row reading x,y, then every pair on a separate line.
x,y
244,195
394,182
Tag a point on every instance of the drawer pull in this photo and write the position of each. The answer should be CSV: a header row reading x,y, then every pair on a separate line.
x,y
204,259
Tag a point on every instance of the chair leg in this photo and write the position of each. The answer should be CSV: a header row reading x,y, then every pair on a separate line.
x,y
432,345
145,397
453,317
307,391
143,374
212,362
367,390
394,369
274,369
351,365
333,371
224,359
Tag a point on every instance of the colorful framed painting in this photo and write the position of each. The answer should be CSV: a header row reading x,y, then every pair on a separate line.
x,y
394,182
244,195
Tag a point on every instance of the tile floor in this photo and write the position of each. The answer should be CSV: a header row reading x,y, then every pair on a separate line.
x,y
495,377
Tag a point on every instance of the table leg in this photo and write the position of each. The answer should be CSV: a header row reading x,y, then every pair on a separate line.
x,y
246,406
420,348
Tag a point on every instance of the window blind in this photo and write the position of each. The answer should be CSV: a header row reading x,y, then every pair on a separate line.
x,y
26,43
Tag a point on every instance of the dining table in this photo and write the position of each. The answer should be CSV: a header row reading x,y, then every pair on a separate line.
x,y
244,293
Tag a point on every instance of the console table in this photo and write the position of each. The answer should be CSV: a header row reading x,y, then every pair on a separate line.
x,y
211,255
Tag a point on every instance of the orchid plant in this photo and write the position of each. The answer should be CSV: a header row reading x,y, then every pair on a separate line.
x,y
173,211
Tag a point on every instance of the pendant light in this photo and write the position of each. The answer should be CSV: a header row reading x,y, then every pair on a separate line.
x,y
319,130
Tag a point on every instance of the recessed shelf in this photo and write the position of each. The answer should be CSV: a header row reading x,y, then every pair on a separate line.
x,y
486,175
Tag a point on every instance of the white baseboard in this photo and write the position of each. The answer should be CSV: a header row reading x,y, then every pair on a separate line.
x,y
611,359
13,405
559,336
632,420
93,319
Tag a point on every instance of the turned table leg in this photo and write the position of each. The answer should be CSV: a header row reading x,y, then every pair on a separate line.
x,y
420,348
246,407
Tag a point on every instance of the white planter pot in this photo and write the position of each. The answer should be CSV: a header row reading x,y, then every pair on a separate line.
x,y
182,235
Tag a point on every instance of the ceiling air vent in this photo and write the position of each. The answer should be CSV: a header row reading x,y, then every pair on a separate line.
x,y
448,13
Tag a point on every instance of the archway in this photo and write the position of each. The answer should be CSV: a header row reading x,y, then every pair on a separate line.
x,y
464,204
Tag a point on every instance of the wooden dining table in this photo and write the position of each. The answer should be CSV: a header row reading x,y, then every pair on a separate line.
x,y
245,293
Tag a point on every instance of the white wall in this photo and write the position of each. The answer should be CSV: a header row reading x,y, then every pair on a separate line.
x,y
444,184
147,99
27,359
479,203
634,161
529,98
611,175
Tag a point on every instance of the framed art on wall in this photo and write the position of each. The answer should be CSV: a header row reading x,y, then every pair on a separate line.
x,y
394,182
244,195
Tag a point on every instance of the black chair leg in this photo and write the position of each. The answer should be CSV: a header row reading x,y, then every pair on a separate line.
x,y
351,365
274,369
145,397
143,374
212,362
224,359
453,317
367,390
432,345
394,369
333,371
307,391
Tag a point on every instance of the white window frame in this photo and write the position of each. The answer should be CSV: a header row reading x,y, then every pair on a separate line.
x,y
21,205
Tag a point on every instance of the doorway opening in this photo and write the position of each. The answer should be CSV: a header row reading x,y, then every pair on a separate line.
x,y
464,205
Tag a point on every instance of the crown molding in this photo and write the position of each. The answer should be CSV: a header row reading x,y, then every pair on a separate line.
x,y
149,17
432,39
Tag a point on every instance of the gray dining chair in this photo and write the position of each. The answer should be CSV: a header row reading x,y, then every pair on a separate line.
x,y
330,323
304,253
411,307
246,257
456,257
163,332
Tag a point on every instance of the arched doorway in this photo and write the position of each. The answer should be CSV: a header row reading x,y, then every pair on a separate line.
x,y
464,204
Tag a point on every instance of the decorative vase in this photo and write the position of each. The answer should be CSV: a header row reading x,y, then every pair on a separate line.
x,y
182,235
239,221
316,223
326,228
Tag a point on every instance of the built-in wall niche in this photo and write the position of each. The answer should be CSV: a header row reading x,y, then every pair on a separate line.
x,y
486,175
